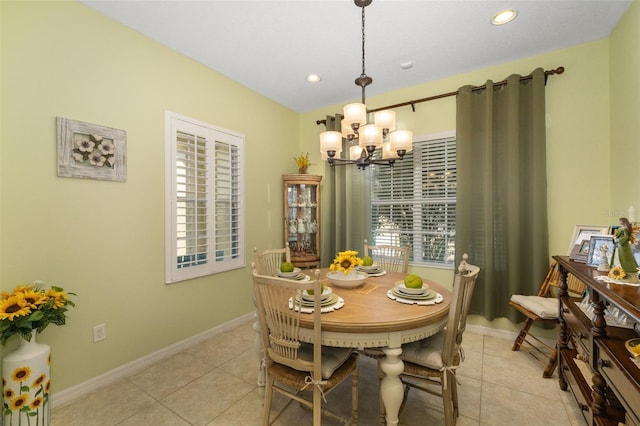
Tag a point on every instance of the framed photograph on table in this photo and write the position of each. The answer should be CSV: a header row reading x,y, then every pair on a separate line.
x,y
582,233
596,250
580,251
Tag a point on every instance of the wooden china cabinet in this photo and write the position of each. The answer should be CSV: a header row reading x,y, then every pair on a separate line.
x,y
593,362
302,218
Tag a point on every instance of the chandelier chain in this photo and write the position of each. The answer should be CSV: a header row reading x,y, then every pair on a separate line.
x,y
363,71
363,75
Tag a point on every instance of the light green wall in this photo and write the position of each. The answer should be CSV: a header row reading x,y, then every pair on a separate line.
x,y
625,111
105,240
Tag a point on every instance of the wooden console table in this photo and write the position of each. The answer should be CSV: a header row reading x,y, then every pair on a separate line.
x,y
612,394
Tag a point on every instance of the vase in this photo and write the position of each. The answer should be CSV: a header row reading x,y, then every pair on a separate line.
x,y
302,170
26,383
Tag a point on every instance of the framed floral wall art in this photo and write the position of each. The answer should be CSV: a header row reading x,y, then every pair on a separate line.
x,y
91,151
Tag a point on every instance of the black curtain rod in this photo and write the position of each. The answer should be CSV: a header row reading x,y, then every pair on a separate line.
x,y
413,103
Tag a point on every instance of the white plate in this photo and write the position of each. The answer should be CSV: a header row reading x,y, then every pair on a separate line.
x,y
292,274
406,290
326,293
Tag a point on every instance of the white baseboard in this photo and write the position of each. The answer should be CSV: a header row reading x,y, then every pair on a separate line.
x,y
67,396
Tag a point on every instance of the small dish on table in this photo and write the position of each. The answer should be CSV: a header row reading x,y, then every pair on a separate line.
x,y
371,268
633,346
292,274
403,289
326,294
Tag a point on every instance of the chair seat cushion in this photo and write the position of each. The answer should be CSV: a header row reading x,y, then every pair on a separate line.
x,y
332,358
544,307
426,352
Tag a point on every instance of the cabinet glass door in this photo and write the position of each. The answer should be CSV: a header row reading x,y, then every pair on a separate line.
x,y
302,219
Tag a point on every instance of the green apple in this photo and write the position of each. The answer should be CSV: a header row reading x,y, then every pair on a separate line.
x,y
311,292
367,261
286,267
413,281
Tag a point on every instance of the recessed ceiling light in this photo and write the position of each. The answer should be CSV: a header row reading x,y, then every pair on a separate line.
x,y
406,65
504,17
313,78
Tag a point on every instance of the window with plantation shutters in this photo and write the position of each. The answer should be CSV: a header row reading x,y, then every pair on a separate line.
x,y
204,199
415,202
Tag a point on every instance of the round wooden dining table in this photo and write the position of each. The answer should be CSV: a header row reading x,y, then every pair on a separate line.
x,y
370,319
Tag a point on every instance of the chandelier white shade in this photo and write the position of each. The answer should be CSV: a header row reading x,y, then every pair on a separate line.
x,y
379,134
402,140
386,120
331,141
355,114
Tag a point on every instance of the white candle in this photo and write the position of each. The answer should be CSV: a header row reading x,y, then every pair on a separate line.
x,y
631,213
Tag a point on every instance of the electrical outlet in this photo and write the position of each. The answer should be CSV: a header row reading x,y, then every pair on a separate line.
x,y
99,332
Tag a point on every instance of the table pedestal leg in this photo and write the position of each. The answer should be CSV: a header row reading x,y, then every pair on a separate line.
x,y
391,389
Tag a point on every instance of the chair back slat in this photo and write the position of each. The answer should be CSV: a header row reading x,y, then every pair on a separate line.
x,y
268,262
390,258
280,322
463,286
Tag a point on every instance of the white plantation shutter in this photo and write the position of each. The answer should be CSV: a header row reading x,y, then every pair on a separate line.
x,y
227,181
191,200
204,201
415,202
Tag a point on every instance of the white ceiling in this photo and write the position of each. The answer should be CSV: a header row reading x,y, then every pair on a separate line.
x,y
270,46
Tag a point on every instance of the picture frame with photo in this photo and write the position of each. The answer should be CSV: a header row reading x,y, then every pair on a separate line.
x,y
596,245
581,239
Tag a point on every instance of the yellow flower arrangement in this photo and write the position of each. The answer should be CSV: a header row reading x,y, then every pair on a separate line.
x,y
30,307
617,273
302,161
345,261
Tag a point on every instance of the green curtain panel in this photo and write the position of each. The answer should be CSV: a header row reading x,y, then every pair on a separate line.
x,y
502,190
347,198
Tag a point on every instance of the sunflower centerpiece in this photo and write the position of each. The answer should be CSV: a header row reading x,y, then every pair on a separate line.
x,y
346,261
343,273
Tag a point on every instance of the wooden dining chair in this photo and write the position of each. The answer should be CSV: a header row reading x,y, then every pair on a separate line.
x,y
433,361
390,258
294,367
268,261
543,308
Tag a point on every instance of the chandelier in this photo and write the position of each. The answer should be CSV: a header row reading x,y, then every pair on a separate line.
x,y
381,133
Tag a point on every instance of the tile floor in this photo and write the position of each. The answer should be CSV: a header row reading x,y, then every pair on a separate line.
x,y
214,384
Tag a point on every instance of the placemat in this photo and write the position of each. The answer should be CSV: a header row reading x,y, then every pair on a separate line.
x,y
366,288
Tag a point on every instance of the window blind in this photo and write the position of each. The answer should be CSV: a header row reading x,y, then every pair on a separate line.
x,y
415,202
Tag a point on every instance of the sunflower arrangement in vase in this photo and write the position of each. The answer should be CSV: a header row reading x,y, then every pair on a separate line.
x,y
30,308
346,261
